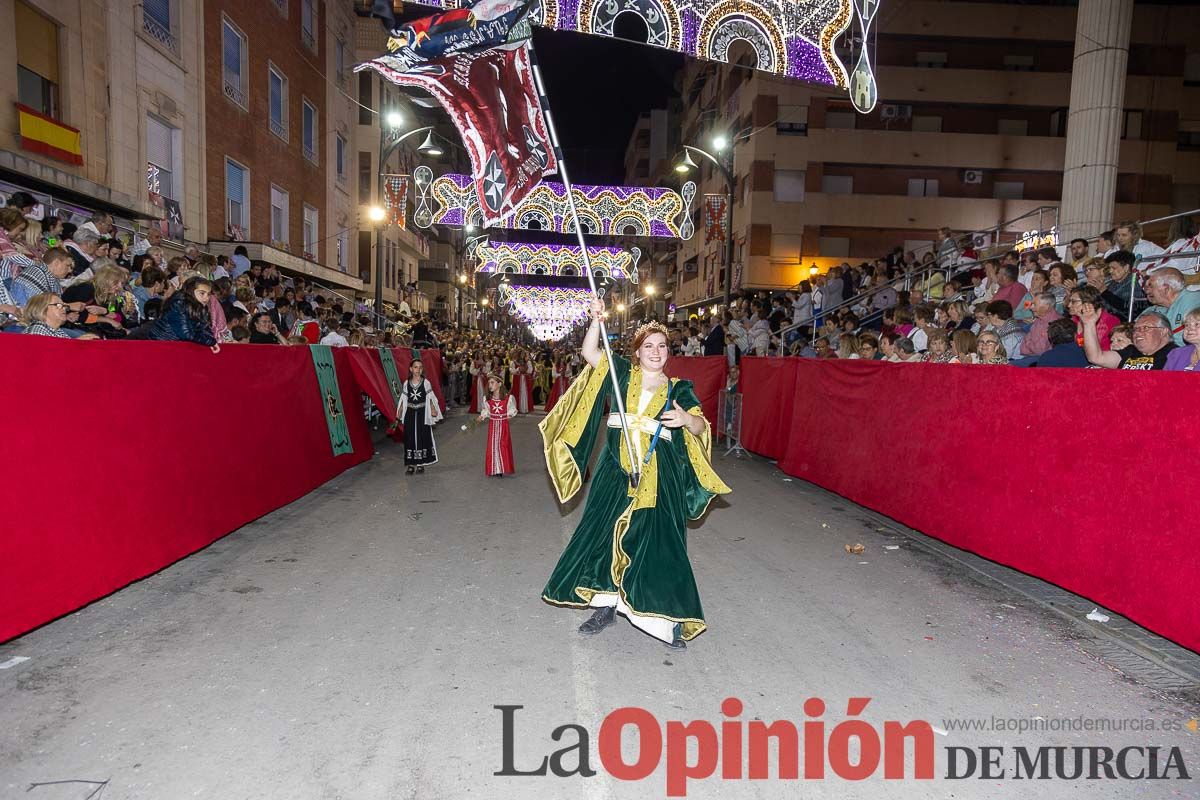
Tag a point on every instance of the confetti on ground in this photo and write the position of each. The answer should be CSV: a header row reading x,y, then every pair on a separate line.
x,y
855,549
891,547
1096,616
12,662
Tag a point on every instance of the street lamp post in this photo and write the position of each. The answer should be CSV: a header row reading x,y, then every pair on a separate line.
x,y
391,121
726,171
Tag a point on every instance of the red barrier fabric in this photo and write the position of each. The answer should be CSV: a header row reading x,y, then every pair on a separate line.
x,y
122,457
707,374
1078,477
767,386
368,371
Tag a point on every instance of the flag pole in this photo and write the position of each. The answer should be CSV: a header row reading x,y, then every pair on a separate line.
x,y
634,453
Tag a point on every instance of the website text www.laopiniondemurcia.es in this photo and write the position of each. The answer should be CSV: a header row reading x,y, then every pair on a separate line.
x,y
850,750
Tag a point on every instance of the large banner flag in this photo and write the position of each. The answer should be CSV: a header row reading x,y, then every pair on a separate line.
x,y
476,62
716,206
331,399
395,199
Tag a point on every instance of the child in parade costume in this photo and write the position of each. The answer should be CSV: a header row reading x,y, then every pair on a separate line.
x,y
478,385
629,553
560,373
498,460
541,383
522,382
418,412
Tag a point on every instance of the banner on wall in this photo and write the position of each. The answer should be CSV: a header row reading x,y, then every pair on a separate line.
x,y
392,374
716,206
331,399
395,199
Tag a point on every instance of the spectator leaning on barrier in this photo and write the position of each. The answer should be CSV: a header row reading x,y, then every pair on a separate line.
x,y
1166,290
1151,343
46,314
185,317
1187,358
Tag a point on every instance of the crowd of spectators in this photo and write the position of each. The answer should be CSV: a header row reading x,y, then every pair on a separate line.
x,y
84,282
1127,305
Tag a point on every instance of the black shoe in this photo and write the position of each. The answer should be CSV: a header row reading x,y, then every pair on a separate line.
x,y
601,619
408,471
677,643
420,470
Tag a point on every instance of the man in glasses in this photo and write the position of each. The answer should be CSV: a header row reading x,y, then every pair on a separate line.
x,y
1151,342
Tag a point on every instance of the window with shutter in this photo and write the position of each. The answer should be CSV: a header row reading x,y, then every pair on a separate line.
x,y
160,158
237,180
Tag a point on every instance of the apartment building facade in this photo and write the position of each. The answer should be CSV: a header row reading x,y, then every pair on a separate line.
x,y
969,132
271,111
73,101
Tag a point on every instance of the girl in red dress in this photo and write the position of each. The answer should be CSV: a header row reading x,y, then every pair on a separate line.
x,y
478,385
560,373
498,459
522,382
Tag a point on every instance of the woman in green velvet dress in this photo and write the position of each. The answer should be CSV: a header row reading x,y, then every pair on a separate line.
x,y
629,553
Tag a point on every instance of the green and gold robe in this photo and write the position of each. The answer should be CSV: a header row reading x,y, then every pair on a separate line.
x,y
630,549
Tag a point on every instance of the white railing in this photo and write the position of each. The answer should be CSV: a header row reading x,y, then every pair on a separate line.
x,y
160,33
279,129
233,89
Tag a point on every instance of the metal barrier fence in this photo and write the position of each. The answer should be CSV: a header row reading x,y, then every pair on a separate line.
x,y
729,423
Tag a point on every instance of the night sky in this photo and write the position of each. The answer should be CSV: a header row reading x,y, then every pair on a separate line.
x,y
597,86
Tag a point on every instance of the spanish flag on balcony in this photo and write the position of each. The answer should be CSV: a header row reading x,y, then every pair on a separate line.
x,y
41,134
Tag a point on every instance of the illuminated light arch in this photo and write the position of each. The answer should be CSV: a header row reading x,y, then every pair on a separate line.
x,y
523,258
737,20
802,33
658,212
661,18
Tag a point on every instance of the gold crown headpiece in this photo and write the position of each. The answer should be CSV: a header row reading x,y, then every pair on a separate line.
x,y
649,328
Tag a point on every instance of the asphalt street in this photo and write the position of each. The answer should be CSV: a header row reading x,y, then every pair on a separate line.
x,y
356,643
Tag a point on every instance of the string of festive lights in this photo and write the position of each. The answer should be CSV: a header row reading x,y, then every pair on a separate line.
x,y
551,312
557,260
790,37
603,210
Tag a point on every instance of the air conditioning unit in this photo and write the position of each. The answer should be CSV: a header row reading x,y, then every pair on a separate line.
x,y
972,176
895,112
981,241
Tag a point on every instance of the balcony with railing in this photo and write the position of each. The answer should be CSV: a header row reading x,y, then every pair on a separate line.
x,y
310,152
159,33
279,128
233,88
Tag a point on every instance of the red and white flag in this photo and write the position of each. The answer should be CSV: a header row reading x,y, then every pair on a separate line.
x,y
488,89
